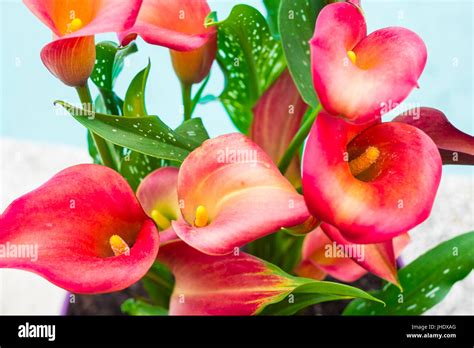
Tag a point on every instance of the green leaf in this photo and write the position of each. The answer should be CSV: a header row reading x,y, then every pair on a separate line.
x,y
197,98
296,21
109,63
135,166
250,58
147,134
194,131
272,7
134,103
159,283
93,153
311,292
280,248
139,307
425,281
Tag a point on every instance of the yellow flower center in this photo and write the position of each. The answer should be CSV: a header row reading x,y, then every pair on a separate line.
x,y
202,218
352,56
162,221
364,161
119,246
74,25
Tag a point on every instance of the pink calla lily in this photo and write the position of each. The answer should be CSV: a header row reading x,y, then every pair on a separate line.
x,y
158,196
90,232
361,179
71,56
234,284
178,25
455,146
232,193
326,251
277,118
361,77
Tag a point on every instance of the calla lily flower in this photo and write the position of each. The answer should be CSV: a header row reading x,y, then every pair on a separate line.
x,y
71,56
178,25
232,193
326,251
235,284
158,196
277,118
90,233
363,181
455,146
361,77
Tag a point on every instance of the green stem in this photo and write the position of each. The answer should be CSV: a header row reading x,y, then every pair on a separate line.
x,y
299,138
187,101
102,147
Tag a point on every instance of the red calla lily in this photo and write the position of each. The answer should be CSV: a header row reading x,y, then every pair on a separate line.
x,y
90,232
326,251
360,77
372,182
178,25
277,118
455,146
71,56
232,193
234,284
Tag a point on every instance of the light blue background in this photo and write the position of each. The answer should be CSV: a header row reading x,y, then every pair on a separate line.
x,y
28,89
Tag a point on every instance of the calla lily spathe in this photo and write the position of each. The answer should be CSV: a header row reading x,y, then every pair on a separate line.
x,y
178,25
363,181
71,55
89,230
358,76
234,284
158,197
455,147
232,193
277,118
325,251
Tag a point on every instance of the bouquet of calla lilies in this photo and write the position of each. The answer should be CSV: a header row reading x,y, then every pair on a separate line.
x,y
312,185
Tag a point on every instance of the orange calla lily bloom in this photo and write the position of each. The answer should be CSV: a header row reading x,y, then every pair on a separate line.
x,y
178,25
71,55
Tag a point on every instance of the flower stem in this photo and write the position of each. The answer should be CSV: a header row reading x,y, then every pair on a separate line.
x,y
100,143
187,101
299,138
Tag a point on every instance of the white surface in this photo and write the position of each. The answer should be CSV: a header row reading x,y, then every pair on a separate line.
x,y
25,165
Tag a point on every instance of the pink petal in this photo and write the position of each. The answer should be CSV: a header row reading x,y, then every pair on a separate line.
x,y
97,16
177,24
388,64
448,138
236,284
70,220
314,258
388,199
277,118
378,259
243,192
158,191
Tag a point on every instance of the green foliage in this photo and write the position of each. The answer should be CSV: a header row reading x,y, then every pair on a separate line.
x,y
425,281
250,58
145,134
296,21
139,307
